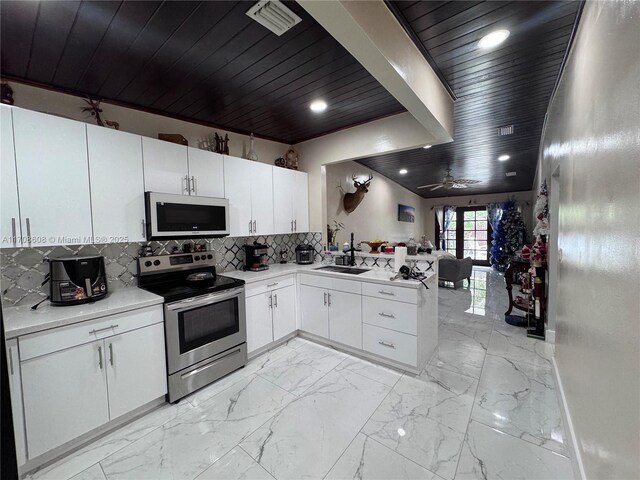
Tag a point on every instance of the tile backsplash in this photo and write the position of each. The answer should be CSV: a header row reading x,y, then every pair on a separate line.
x,y
22,270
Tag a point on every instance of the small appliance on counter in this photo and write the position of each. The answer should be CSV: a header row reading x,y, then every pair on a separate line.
x,y
77,279
256,257
305,254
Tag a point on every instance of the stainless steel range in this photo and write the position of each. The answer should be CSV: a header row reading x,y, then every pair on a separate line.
x,y
204,317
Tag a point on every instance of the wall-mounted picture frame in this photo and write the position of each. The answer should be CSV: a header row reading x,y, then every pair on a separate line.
x,y
406,213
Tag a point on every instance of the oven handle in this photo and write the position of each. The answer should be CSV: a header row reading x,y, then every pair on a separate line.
x,y
206,300
209,365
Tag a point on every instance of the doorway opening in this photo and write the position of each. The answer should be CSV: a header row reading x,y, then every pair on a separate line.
x,y
469,234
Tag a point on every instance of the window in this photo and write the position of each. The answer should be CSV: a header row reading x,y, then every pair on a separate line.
x,y
469,234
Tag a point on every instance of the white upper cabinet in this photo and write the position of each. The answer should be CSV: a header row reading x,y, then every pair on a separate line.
x,y
206,173
290,200
300,201
249,187
237,188
166,167
53,175
283,183
261,178
9,209
117,185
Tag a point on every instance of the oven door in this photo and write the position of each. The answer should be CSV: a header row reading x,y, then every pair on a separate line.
x,y
200,327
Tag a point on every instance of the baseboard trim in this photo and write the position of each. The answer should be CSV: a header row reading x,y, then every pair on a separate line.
x,y
550,336
574,451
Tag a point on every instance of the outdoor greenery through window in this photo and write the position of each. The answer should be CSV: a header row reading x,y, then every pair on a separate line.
x,y
468,234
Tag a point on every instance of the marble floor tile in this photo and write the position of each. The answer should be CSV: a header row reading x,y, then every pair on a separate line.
x,y
520,399
512,343
370,370
489,454
111,443
91,473
465,333
424,418
306,438
366,459
293,376
186,446
235,465
459,358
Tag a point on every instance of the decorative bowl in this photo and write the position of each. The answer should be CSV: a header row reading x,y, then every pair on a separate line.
x,y
374,246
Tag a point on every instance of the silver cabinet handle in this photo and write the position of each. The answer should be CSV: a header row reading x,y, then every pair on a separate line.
x,y
387,344
29,231
255,228
295,225
13,231
386,315
275,300
325,298
186,187
385,292
292,225
272,285
100,357
270,301
110,327
193,185
10,362
144,230
111,354
250,223
329,299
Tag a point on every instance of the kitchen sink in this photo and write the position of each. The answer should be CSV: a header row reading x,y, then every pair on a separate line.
x,y
336,269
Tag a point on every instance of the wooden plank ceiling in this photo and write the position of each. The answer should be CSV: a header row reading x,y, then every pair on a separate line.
x,y
204,61
510,84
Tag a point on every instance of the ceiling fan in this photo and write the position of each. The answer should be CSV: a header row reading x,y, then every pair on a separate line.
x,y
449,182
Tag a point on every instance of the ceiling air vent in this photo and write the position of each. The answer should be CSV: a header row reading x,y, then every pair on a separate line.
x,y
505,130
273,15
510,174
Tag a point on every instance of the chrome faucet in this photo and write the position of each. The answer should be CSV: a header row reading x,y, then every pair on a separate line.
x,y
352,260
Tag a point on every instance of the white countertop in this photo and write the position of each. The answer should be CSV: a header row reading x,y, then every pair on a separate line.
x,y
374,275
22,320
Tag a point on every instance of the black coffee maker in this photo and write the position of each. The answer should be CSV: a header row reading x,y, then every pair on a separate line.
x,y
77,279
256,257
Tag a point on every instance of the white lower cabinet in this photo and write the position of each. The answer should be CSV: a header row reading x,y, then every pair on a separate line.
x,y
65,396
80,387
345,318
397,346
271,314
331,314
130,387
15,389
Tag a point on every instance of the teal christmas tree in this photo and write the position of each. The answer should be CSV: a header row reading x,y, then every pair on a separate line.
x,y
509,236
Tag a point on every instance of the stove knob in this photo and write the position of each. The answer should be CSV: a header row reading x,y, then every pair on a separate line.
x,y
156,262
147,263
197,257
209,256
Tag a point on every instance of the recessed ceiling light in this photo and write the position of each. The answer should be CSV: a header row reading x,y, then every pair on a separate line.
x,y
318,106
493,39
403,171
510,174
504,158
427,146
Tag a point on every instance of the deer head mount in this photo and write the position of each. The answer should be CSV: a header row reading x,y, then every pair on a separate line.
x,y
352,200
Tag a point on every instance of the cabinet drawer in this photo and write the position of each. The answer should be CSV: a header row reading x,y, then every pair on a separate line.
x,y
399,294
331,283
56,339
397,346
398,316
264,286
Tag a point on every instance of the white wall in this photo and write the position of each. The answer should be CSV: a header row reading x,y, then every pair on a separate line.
x,y
138,122
593,135
391,134
523,199
377,215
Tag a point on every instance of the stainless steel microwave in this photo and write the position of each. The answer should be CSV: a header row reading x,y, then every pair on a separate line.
x,y
174,216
